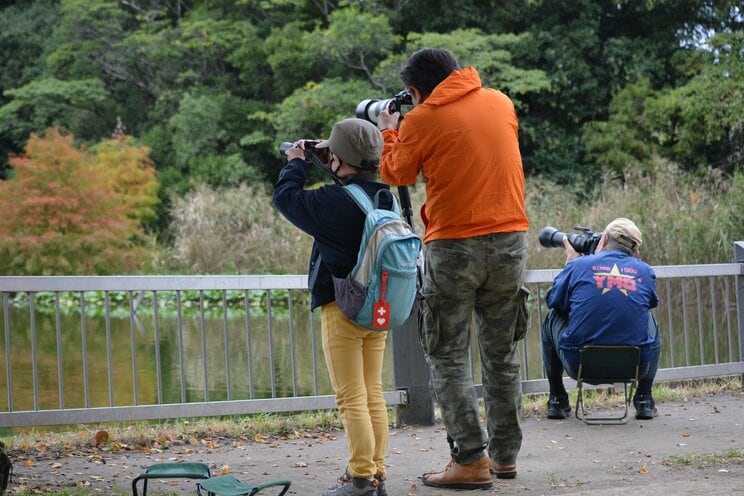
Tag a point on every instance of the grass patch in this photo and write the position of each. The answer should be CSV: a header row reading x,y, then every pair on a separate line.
x,y
730,457
536,404
559,482
119,436
260,427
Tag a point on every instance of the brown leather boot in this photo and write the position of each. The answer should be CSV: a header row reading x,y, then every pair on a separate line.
x,y
503,471
455,476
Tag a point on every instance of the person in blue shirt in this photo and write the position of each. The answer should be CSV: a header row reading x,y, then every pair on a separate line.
x,y
604,298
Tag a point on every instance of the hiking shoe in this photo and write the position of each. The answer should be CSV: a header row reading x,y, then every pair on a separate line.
x,y
381,478
456,476
353,486
503,471
645,407
558,407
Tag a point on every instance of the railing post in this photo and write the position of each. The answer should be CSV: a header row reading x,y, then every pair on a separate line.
x,y
412,374
739,258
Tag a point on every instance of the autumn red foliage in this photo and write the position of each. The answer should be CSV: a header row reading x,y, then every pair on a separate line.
x,y
70,211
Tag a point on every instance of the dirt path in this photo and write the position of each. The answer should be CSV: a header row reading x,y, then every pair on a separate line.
x,y
557,457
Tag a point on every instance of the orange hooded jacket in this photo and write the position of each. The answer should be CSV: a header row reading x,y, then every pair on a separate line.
x,y
464,138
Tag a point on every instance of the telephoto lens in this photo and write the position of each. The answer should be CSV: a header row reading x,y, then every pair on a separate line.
x,y
550,237
370,109
586,243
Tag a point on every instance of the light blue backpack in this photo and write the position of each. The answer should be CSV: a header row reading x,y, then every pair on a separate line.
x,y
379,292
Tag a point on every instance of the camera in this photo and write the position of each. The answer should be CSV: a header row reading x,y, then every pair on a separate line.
x,y
310,144
585,243
371,108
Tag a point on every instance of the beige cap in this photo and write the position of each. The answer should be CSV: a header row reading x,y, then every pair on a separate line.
x,y
625,232
357,142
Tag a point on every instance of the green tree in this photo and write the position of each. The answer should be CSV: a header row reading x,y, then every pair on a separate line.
x,y
622,143
491,54
593,49
311,111
206,132
24,30
359,41
701,124
78,105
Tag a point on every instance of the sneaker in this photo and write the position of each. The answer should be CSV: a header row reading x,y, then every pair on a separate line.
x,y
353,486
381,478
558,407
645,407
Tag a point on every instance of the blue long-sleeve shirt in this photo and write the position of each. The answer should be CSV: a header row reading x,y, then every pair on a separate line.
x,y
607,297
330,216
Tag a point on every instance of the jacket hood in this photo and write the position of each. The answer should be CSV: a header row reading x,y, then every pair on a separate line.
x,y
455,86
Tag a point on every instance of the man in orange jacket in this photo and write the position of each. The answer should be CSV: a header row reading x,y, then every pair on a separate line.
x,y
463,139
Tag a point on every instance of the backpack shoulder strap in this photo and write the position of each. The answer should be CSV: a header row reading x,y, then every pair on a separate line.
x,y
360,197
393,201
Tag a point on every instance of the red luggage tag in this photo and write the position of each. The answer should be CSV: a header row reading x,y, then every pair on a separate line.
x,y
381,309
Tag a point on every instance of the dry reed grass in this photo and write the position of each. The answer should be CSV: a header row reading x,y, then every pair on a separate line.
x,y
685,220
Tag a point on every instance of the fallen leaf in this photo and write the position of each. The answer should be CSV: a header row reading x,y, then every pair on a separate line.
x,y
643,470
100,438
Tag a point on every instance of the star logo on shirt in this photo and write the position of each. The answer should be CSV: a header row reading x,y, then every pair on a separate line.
x,y
613,279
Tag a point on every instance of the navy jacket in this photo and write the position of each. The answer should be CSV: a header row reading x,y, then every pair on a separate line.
x,y
330,216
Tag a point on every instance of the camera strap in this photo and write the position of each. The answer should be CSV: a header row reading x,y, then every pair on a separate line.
x,y
317,162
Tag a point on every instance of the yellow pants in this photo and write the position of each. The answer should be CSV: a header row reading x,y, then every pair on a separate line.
x,y
354,359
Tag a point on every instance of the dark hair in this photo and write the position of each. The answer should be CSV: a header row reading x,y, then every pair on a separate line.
x,y
428,67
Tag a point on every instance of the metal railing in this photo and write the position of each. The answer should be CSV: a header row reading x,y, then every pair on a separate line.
x,y
100,349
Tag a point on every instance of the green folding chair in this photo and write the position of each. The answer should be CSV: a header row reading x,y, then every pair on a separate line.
x,y
171,470
227,485
607,365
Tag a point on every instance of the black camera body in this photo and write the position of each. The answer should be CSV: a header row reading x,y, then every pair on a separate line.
x,y
313,156
310,146
585,243
369,109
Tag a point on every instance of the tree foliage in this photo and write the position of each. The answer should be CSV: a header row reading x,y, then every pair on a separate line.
x,y
212,86
69,211
701,123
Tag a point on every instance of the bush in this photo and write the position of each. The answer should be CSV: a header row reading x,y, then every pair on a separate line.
x,y
684,220
234,230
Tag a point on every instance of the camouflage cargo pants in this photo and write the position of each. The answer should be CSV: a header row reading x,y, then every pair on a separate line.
x,y
480,276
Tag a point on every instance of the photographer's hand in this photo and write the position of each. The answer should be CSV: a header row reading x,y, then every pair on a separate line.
x,y
386,120
296,151
571,254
